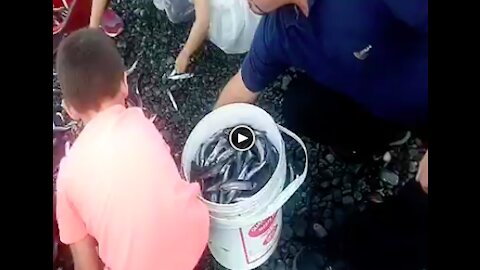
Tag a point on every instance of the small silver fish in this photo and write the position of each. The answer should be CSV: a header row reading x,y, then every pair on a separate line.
x,y
174,103
132,68
214,197
226,173
244,172
225,155
260,148
221,144
231,196
176,76
205,145
254,170
240,199
237,185
221,197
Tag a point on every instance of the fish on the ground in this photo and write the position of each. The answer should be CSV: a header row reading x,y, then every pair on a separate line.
x,y
229,176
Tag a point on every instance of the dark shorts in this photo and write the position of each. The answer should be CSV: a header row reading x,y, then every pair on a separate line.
x,y
332,119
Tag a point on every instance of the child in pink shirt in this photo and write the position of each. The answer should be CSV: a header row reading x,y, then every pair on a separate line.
x,y
118,188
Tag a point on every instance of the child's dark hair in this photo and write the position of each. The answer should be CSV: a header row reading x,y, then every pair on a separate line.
x,y
90,69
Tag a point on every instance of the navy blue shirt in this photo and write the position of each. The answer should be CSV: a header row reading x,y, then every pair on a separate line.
x,y
373,51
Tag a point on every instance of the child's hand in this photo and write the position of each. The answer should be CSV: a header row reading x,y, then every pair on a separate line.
x,y
182,62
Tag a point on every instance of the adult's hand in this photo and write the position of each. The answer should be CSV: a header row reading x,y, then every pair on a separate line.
x,y
236,92
422,175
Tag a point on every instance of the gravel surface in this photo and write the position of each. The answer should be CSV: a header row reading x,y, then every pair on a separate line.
x,y
332,189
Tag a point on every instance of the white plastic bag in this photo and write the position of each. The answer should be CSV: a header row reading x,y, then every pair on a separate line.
x,y
232,25
177,10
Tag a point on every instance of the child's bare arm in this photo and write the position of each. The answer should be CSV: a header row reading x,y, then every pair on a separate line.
x,y
198,34
98,7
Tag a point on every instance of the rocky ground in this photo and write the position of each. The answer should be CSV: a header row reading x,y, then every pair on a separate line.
x,y
332,189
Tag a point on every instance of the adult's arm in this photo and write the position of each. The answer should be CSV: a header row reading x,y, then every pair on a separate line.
x,y
413,12
262,65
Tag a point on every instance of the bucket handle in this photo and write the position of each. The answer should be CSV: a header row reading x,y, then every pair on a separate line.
x,y
287,192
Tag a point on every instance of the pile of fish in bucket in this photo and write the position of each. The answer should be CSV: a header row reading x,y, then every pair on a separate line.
x,y
227,175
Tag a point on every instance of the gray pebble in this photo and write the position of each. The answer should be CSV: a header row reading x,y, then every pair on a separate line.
x,y
319,230
302,211
412,167
300,227
387,157
330,158
275,255
418,142
280,265
292,249
337,195
327,174
285,82
289,208
325,184
327,213
348,200
346,191
336,182
328,224
170,60
264,266
327,198
389,177
289,263
287,232
357,195
347,186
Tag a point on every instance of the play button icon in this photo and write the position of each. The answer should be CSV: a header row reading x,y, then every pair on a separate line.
x,y
242,138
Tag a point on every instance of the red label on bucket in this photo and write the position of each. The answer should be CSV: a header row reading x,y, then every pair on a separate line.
x,y
262,226
270,235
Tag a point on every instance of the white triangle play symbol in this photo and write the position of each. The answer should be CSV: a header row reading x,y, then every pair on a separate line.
x,y
241,138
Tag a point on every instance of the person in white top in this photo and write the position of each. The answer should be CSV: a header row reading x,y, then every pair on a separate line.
x,y
229,24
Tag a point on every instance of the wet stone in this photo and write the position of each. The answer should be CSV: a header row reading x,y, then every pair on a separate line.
x,y
280,265
327,213
319,230
327,198
325,184
348,200
328,224
336,182
287,232
358,196
337,195
300,227
330,158
413,167
389,177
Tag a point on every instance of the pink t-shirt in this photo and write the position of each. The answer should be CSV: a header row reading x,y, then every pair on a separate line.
x,y
119,184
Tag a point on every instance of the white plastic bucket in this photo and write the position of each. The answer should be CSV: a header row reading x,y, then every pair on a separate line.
x,y
243,235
